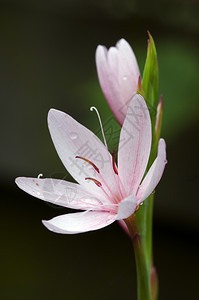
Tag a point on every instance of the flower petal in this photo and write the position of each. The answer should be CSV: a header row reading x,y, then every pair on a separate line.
x,y
118,74
72,139
126,207
108,79
154,174
128,59
128,73
79,222
59,192
134,145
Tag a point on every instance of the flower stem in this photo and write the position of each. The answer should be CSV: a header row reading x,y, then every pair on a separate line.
x,y
143,274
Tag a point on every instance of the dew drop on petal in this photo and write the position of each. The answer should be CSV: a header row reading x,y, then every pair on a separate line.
x,y
73,135
124,78
38,193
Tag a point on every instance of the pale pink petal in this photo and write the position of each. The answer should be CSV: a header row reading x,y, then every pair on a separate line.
x,y
108,79
113,62
128,56
118,74
59,192
134,144
128,73
154,174
126,207
79,222
72,139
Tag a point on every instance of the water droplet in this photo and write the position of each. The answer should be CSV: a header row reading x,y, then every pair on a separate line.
x,y
73,135
38,193
141,203
124,78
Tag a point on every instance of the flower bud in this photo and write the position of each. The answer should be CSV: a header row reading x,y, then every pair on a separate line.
x,y
118,74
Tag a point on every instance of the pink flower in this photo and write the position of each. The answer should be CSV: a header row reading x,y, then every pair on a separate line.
x,y
118,74
105,192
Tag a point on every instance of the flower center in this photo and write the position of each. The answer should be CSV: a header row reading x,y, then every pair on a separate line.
x,y
101,182
118,193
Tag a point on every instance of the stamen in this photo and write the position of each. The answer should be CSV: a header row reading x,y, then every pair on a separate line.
x,y
94,108
108,154
88,161
98,183
114,165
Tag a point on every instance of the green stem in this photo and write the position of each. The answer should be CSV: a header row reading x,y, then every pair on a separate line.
x,y
143,275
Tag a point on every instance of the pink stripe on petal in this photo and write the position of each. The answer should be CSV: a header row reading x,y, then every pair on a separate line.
x,y
134,144
154,174
79,222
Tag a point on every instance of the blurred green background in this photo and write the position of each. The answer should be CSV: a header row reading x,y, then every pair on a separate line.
x,y
47,59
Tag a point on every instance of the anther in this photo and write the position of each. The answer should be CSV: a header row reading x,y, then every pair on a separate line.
x,y
113,161
88,161
98,183
137,207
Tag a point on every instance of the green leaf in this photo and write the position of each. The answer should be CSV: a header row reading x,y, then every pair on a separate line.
x,y
150,79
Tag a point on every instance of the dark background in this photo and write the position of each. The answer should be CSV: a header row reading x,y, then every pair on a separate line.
x,y
47,59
